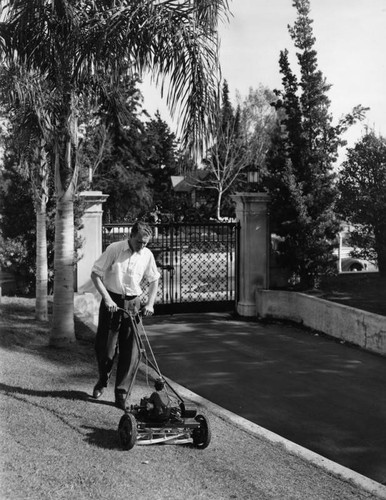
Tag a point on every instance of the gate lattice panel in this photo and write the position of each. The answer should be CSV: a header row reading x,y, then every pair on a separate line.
x,y
198,264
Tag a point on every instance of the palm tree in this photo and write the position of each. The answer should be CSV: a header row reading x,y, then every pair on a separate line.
x,y
70,42
27,108
41,198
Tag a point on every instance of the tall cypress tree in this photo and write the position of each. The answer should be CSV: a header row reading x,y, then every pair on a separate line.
x,y
162,163
302,157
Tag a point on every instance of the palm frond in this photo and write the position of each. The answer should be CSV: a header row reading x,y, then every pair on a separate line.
x,y
175,40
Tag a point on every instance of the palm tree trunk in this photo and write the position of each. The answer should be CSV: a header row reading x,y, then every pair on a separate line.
x,y
41,307
66,161
63,330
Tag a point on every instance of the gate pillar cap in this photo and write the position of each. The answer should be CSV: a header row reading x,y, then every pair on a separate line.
x,y
93,197
248,196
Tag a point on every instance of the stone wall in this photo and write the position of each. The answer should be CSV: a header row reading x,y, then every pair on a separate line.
x,y
361,328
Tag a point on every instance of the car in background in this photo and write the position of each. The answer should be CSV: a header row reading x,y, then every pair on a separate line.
x,y
346,262
353,264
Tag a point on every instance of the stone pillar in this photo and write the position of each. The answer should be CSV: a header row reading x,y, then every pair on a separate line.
x,y
92,238
252,214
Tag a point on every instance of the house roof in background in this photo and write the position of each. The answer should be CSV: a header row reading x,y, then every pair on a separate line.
x,y
186,184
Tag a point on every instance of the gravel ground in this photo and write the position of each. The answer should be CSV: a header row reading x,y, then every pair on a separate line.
x,y
57,443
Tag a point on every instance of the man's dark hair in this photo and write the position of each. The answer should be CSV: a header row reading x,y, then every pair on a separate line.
x,y
141,227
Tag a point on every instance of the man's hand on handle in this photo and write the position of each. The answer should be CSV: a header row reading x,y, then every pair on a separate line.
x,y
110,304
147,310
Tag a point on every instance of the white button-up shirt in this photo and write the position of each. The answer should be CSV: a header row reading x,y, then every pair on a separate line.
x,y
122,270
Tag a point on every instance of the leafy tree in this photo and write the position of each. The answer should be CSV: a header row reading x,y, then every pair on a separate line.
x,y
242,137
258,120
122,170
70,42
17,222
301,177
362,203
227,156
140,157
222,161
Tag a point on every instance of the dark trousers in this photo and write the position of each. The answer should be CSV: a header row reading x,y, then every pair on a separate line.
x,y
116,337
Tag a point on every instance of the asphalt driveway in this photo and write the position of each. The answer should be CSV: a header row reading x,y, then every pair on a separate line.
x,y
315,391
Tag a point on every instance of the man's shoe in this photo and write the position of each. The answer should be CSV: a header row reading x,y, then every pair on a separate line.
x,y
120,401
98,390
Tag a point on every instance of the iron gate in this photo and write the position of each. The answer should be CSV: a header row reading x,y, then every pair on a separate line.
x,y
197,262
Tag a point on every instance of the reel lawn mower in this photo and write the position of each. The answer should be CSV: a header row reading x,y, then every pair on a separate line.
x,y
163,417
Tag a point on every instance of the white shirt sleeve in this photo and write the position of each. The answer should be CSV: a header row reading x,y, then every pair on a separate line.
x,y
104,261
151,272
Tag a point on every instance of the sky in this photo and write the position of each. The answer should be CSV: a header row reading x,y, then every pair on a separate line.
x,y
351,50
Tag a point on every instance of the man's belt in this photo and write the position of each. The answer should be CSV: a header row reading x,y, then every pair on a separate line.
x,y
121,296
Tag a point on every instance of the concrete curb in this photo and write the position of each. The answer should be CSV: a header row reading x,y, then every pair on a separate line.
x,y
245,425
